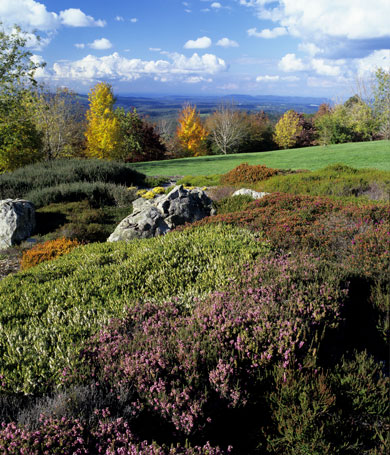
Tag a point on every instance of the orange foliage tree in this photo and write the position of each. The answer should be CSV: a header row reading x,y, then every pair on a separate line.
x,y
190,132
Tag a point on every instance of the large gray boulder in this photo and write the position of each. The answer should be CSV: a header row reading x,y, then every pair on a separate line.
x,y
17,221
158,216
251,193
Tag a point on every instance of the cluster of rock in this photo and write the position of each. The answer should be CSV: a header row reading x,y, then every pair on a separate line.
x,y
17,221
158,216
150,218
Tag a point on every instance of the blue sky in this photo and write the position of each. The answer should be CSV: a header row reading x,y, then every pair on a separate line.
x,y
256,47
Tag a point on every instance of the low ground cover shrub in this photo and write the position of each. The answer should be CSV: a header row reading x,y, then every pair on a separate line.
x,y
78,220
47,251
200,180
336,180
79,292
248,174
233,203
97,193
52,173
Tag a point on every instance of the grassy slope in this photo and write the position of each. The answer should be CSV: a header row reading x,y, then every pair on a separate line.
x,y
359,155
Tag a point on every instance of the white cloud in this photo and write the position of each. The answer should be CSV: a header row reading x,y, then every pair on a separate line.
x,y
201,43
134,20
114,67
276,78
119,18
80,45
29,14
267,78
351,19
226,42
196,80
74,17
267,33
325,69
101,44
290,62
216,5
310,48
377,59
155,49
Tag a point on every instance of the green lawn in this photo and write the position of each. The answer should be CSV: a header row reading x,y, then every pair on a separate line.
x,y
359,155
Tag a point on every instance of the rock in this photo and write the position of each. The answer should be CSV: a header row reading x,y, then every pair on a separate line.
x,y
17,221
248,192
158,216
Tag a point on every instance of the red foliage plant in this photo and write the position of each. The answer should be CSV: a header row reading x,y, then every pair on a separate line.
x,y
247,173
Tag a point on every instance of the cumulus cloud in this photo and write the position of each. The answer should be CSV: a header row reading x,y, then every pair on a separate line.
x,y
119,18
310,48
267,33
32,15
325,68
80,45
216,5
134,20
290,62
201,43
378,59
74,17
351,19
101,44
226,42
114,67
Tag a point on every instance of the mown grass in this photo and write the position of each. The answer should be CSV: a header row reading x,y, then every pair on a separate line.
x,y
359,154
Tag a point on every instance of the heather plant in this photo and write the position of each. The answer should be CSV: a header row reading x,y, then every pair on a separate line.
x,y
247,174
82,290
336,181
97,193
233,203
47,251
53,173
186,365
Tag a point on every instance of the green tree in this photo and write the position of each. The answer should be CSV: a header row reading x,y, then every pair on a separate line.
x,y
381,91
138,141
103,131
287,130
20,142
59,118
334,127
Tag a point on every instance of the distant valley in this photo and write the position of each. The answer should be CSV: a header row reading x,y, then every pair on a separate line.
x,y
157,106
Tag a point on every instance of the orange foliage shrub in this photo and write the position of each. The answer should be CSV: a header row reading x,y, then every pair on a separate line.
x,y
246,173
47,251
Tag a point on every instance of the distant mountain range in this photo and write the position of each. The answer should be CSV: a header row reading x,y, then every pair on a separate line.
x,y
169,105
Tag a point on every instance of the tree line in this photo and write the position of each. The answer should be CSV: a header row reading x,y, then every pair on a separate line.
x,y
37,124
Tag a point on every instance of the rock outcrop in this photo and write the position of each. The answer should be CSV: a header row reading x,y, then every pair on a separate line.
x,y
158,216
17,221
248,192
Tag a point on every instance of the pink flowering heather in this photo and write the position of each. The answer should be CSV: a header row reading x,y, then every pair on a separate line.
x,y
182,363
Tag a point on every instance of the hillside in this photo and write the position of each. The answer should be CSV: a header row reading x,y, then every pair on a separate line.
x,y
359,155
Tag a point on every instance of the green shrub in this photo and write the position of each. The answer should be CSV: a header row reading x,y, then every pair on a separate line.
x,y
97,193
77,293
233,203
336,180
53,173
200,180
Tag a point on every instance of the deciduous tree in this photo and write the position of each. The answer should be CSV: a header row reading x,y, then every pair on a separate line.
x,y
191,132
227,129
103,129
287,130
381,91
20,142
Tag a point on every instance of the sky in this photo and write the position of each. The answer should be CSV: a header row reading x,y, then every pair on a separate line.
x,y
206,47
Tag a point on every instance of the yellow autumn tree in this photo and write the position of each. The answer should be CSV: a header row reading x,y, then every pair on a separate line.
x,y
103,131
190,132
287,130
